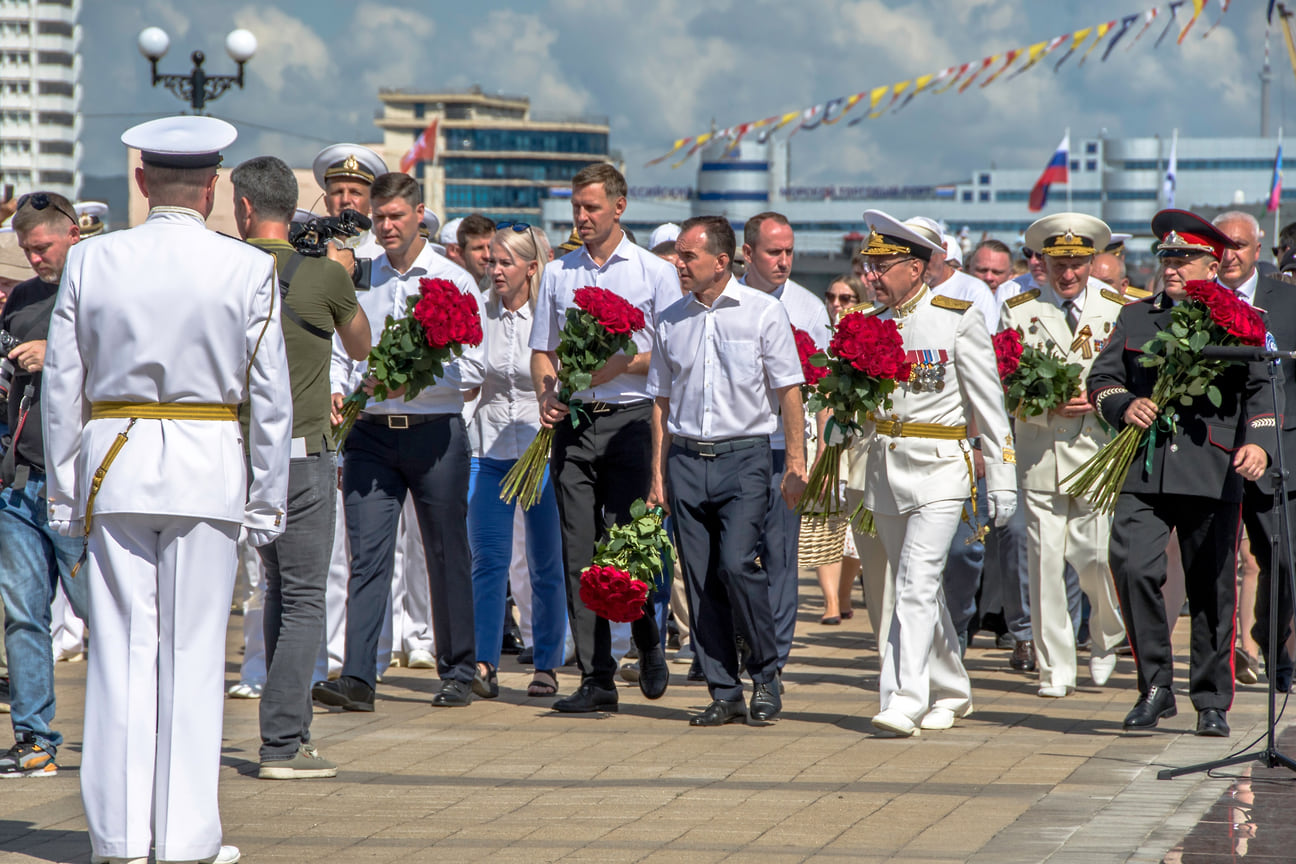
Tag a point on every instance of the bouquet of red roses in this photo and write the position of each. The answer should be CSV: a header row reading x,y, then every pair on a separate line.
x,y
1212,315
806,351
413,349
1036,380
601,326
865,362
626,566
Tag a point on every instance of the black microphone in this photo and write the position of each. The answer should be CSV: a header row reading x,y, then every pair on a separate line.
x,y
1245,353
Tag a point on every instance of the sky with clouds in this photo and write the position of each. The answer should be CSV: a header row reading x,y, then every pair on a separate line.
x,y
664,69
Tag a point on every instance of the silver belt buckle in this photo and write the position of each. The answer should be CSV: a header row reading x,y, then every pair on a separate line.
x,y
706,449
397,421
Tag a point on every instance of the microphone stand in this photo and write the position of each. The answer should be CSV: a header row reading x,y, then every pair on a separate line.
x,y
1269,755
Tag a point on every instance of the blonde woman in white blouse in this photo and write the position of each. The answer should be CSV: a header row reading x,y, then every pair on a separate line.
x,y
507,420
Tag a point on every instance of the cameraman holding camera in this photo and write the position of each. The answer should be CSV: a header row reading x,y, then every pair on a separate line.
x,y
32,554
317,300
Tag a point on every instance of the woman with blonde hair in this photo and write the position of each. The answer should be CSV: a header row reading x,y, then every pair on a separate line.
x,y
505,423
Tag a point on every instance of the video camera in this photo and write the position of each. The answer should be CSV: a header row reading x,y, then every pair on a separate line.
x,y
311,238
8,342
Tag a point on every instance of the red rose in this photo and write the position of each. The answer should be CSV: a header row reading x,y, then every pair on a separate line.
x,y
806,349
447,315
1008,352
613,594
1229,311
610,310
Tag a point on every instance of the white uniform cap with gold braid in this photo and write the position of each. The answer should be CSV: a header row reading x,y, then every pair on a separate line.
x,y
1073,235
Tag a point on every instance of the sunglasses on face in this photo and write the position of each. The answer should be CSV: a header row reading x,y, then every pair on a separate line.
x,y
40,201
1028,254
840,298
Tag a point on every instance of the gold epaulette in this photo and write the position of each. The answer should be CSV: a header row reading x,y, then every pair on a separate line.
x,y
1021,298
944,302
1134,294
866,308
1113,296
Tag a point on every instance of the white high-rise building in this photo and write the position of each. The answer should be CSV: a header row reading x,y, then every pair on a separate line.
x,y
40,100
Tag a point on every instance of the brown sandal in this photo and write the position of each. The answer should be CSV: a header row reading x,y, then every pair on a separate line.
x,y
543,684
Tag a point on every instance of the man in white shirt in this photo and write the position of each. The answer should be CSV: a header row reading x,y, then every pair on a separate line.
x,y
417,447
159,333
601,464
721,359
768,246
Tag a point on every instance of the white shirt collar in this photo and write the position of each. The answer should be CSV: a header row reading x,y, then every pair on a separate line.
x,y
618,253
1247,290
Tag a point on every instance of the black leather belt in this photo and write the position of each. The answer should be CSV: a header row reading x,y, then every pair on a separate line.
x,y
712,449
402,421
596,407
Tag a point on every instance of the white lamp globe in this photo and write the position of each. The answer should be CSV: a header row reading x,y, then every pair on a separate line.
x,y
240,45
153,42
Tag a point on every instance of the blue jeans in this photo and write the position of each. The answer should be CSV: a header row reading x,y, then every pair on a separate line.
x,y
33,558
490,535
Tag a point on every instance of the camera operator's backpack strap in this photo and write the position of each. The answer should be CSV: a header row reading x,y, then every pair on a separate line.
x,y
285,279
11,474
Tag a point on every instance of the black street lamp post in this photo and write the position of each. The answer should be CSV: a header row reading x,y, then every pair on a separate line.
x,y
197,87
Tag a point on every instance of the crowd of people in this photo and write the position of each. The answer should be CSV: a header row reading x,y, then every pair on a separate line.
x,y
171,394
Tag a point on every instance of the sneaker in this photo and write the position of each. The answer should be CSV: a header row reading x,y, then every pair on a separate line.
x,y
683,656
244,691
421,658
307,764
4,695
27,758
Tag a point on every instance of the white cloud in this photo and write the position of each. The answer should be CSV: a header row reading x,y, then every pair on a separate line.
x,y
285,45
520,47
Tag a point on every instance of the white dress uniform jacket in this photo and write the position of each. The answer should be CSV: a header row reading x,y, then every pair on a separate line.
x,y
136,339
902,474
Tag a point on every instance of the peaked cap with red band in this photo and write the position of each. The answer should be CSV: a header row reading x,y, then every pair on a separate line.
x,y
1183,233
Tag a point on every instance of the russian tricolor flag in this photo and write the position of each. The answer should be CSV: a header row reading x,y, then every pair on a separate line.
x,y
1275,185
1056,171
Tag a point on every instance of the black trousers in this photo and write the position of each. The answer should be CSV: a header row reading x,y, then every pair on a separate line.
x,y
429,461
1208,533
599,468
719,508
778,553
1263,525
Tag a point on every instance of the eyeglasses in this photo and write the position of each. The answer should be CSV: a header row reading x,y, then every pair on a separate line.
x,y
871,269
519,227
39,201
1028,254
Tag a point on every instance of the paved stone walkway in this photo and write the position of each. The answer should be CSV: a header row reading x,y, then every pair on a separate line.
x,y
1022,780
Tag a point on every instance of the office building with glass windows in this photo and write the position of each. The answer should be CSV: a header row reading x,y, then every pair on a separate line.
x,y
490,154
40,119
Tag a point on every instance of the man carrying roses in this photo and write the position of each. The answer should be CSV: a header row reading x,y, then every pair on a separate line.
x,y
724,361
600,462
918,473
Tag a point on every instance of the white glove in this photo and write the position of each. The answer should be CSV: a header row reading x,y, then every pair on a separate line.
x,y
1000,507
70,528
258,537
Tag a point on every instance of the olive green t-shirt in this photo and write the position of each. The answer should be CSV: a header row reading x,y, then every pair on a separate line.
x,y
322,294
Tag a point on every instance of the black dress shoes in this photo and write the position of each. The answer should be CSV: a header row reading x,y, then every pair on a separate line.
x,y
1158,702
1211,723
695,670
350,694
454,694
654,674
1023,657
765,702
720,712
588,698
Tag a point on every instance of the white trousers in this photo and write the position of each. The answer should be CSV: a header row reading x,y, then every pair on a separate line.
x,y
1062,530
920,659
67,631
409,622
875,572
520,577
249,593
160,590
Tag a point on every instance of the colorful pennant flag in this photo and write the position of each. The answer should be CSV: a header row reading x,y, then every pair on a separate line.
x,y
895,94
1148,17
1056,171
1224,4
1174,13
985,64
1102,31
1197,8
1008,61
680,144
1275,185
1076,38
851,102
1111,43
958,73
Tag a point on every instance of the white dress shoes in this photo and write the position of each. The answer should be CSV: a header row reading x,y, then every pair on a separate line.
x,y
895,724
421,658
1101,667
1056,691
936,719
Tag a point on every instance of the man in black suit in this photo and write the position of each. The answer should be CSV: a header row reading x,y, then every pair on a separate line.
x,y
1277,301
1191,482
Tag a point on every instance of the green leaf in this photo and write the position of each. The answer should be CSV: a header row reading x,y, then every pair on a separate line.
x,y
638,509
1213,394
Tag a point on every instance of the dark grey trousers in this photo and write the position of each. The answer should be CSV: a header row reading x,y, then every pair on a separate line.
x,y
297,565
719,506
778,554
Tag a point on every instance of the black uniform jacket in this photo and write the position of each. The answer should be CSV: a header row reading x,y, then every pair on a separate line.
x,y
1198,458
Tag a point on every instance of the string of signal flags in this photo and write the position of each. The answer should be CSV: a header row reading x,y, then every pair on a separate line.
x,y
877,101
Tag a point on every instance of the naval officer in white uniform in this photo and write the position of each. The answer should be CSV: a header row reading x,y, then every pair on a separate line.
x,y
1073,316
919,472
159,333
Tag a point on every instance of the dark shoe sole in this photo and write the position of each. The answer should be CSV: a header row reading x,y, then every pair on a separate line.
x,y
601,708
1164,715
698,720
330,699
1213,732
